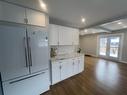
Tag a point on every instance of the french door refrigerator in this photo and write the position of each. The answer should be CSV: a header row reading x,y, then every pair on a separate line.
x,y
23,55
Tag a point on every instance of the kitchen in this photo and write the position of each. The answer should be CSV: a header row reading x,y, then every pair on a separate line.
x,y
47,50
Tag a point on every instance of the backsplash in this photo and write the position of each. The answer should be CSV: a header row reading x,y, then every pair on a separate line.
x,y
65,49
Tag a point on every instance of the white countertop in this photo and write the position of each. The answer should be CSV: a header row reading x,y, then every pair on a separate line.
x,y
66,56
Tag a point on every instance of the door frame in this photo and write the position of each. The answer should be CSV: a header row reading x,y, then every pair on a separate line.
x,y
120,46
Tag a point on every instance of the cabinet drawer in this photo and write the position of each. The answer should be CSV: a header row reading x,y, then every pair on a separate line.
x,y
32,85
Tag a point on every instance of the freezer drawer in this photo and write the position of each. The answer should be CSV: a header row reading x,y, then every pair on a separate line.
x,y
32,85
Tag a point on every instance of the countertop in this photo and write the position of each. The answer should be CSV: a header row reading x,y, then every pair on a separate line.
x,y
66,56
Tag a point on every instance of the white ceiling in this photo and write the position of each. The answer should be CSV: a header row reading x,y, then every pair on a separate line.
x,y
115,25
92,31
69,12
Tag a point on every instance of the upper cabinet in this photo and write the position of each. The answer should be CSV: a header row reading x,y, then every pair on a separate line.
x,y
65,36
53,34
61,35
75,37
17,14
11,13
35,18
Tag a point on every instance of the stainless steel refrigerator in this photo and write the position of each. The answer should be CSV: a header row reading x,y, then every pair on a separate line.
x,y
24,55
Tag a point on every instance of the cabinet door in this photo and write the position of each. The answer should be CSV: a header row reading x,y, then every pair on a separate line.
x,y
38,47
35,17
11,13
53,34
12,52
81,63
65,36
55,72
75,67
75,37
70,67
64,69
33,85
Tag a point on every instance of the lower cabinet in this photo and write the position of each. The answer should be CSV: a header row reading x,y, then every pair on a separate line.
x,y
81,64
55,72
66,69
63,69
27,86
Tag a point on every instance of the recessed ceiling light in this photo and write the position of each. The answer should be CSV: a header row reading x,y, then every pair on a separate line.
x,y
83,19
119,23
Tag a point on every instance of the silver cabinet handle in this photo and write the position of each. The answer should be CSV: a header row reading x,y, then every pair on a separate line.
x,y
26,55
29,51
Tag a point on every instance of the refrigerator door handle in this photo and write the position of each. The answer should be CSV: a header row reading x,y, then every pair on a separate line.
x,y
26,53
29,51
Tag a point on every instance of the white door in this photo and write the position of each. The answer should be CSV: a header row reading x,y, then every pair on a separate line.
x,y
110,46
13,61
11,13
38,49
35,17
56,72
53,34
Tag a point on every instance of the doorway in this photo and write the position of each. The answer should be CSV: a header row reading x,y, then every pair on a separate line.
x,y
110,46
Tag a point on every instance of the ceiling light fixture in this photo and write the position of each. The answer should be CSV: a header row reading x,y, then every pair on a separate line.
x,y
83,19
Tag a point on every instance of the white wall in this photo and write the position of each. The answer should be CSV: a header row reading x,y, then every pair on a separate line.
x,y
124,53
89,43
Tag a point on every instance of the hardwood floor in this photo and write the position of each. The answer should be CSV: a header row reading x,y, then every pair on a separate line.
x,y
100,77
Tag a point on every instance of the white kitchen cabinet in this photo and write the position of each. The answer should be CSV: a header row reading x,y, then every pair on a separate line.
x,y
75,66
12,13
56,72
32,85
65,36
63,69
53,34
75,37
61,35
81,64
66,69
35,18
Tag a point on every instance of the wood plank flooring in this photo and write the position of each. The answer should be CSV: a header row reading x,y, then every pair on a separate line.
x,y
101,77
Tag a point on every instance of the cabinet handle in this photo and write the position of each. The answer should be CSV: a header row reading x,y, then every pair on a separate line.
x,y
26,55
29,51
